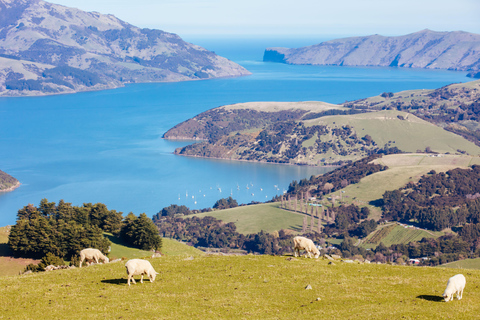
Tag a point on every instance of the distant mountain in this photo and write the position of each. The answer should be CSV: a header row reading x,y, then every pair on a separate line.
x,y
424,49
47,48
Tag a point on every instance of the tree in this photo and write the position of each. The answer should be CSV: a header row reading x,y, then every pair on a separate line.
x,y
225,203
141,232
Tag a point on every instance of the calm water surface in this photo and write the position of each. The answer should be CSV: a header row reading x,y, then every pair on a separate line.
x,y
106,146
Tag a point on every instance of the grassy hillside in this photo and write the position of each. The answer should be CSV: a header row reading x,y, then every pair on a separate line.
x,y
241,287
463,264
409,135
394,233
402,168
10,266
254,218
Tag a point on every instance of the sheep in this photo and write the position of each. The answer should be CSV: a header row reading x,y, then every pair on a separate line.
x,y
455,285
302,243
92,254
140,267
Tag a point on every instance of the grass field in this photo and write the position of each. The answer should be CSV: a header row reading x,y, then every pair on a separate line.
x,y
10,266
252,219
395,233
409,135
240,287
464,264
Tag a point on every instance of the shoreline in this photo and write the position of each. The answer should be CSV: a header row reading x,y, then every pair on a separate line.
x,y
257,161
12,187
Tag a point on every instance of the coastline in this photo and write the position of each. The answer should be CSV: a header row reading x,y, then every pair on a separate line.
x,y
257,161
12,187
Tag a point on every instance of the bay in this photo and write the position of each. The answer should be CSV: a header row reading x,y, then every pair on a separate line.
x,y
106,146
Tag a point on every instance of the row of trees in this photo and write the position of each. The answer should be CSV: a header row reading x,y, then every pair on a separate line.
x,y
63,230
213,233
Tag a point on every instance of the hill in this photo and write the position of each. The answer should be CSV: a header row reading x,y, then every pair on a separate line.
x,y
7,182
267,287
401,169
455,107
47,48
310,133
428,49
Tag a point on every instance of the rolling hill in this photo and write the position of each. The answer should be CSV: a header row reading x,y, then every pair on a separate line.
x,y
47,48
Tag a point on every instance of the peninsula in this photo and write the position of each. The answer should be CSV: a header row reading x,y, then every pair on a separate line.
x,y
49,49
428,49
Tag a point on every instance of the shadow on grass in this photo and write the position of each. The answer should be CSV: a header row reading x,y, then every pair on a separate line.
x,y
5,250
115,281
376,203
430,298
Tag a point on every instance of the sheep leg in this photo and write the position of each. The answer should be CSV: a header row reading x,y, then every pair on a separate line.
x,y
130,277
294,252
459,294
141,279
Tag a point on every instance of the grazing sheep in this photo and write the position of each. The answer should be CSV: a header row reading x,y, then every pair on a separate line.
x,y
92,254
302,243
140,267
455,285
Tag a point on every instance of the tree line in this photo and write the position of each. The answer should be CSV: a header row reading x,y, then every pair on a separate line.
x,y
63,230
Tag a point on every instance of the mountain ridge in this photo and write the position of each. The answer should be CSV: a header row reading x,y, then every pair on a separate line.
x,y
92,51
456,50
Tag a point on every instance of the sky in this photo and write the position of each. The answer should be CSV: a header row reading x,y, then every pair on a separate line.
x,y
291,18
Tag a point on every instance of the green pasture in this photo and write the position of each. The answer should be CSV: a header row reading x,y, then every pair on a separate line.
x,y
240,287
409,135
396,234
255,218
463,264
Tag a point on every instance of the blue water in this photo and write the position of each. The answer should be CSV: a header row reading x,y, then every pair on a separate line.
x,y
106,146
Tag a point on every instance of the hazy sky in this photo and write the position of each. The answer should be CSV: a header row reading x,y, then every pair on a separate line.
x,y
300,17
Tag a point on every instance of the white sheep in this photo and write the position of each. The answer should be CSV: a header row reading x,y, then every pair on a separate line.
x,y
142,267
455,285
302,243
92,254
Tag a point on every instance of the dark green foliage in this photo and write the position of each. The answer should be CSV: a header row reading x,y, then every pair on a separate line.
x,y
348,174
58,75
172,210
438,200
60,229
225,203
141,232
50,259
213,233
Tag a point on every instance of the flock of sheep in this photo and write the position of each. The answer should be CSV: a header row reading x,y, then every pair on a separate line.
x,y
135,267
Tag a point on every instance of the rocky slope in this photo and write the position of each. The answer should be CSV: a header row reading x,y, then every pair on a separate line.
x,y
424,49
48,48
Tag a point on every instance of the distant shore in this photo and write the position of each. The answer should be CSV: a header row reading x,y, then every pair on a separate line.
x,y
12,187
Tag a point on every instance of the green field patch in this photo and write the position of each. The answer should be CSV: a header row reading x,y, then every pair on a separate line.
x,y
255,218
398,234
463,264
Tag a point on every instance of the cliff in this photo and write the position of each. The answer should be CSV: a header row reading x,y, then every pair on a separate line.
x,y
424,49
47,48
